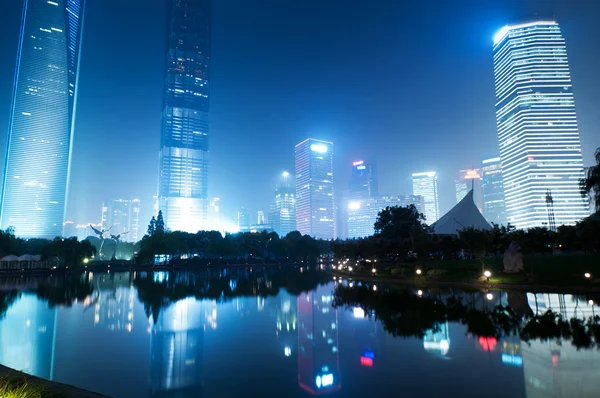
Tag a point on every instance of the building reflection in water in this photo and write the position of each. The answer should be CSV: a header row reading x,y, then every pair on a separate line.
x,y
176,349
318,355
113,301
437,341
28,337
560,370
287,318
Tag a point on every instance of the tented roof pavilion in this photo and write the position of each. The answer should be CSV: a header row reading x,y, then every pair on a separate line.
x,y
464,215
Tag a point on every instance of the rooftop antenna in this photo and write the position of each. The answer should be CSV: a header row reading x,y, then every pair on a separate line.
x,y
550,208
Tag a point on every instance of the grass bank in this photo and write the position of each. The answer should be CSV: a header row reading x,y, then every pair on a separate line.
x,y
539,271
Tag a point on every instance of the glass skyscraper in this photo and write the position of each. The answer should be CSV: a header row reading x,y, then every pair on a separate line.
x,y
425,185
41,121
493,191
314,189
364,181
122,217
537,126
283,215
469,179
184,161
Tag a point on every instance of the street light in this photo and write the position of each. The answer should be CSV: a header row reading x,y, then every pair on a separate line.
x,y
487,274
373,270
419,293
419,272
489,296
591,302
587,275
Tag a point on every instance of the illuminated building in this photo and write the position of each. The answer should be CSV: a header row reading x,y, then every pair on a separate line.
x,y
243,218
176,350
80,231
362,214
314,189
113,307
122,217
425,185
494,210
467,180
318,349
537,125
184,160
283,213
364,182
261,220
42,117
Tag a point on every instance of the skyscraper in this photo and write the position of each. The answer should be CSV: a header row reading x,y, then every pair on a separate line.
x,y
41,121
425,185
243,218
469,179
283,215
364,182
184,161
314,189
493,191
122,217
537,125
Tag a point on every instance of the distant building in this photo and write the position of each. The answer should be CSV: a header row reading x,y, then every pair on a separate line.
x,y
184,156
494,210
41,119
538,134
122,217
425,185
362,214
261,219
364,181
283,211
79,231
243,218
315,207
469,179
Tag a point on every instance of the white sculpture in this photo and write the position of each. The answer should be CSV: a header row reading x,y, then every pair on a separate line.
x,y
513,259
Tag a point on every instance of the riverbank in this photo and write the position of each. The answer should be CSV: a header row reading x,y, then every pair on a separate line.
x,y
576,273
32,386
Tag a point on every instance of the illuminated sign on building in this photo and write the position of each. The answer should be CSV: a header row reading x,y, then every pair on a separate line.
x,y
321,148
358,163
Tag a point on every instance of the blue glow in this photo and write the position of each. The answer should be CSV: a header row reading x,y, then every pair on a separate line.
x,y
369,354
512,360
320,148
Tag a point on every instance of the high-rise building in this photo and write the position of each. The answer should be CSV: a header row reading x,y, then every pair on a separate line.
x,y
425,185
364,182
243,218
283,213
362,214
184,161
261,219
537,126
41,120
469,179
314,189
122,217
493,191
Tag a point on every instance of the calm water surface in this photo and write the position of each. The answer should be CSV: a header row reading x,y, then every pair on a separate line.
x,y
255,333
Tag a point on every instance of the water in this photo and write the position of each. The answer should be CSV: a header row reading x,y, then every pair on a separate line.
x,y
254,332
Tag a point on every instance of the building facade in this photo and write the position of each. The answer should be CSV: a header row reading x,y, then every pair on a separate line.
x,y
122,217
425,185
364,182
315,207
243,218
362,214
538,134
184,160
283,213
470,179
494,210
41,120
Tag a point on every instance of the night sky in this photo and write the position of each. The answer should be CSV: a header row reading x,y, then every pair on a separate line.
x,y
410,82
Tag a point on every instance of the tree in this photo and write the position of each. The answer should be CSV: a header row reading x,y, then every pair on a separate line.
x,y
152,226
160,223
401,227
590,184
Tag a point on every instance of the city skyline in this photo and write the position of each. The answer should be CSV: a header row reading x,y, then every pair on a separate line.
x,y
394,172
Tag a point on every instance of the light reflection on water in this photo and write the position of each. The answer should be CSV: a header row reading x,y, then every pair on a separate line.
x,y
279,345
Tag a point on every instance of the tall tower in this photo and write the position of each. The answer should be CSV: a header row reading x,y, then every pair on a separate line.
x,y
283,216
184,161
537,125
469,179
41,121
493,191
364,182
425,185
314,189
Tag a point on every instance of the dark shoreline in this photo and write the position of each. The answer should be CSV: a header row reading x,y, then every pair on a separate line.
x,y
531,288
